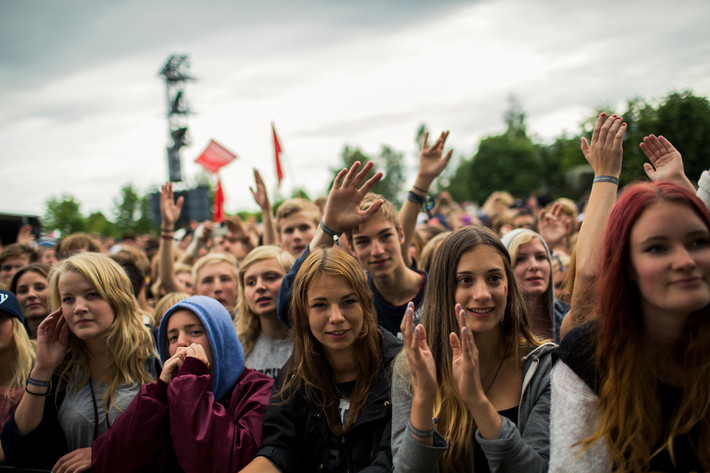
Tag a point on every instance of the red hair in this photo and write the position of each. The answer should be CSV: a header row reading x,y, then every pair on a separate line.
x,y
629,402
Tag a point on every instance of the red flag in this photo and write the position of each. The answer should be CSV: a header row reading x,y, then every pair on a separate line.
x,y
277,151
218,203
215,156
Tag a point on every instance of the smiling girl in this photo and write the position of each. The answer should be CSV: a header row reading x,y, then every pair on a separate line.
x,y
631,392
479,400
265,338
93,353
330,409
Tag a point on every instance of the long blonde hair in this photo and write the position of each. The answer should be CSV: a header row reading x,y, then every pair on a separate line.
x,y
248,324
24,356
129,342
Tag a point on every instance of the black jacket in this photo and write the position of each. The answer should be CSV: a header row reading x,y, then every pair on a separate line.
x,y
296,434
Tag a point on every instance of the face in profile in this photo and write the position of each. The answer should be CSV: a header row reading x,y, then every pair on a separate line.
x,y
670,260
335,316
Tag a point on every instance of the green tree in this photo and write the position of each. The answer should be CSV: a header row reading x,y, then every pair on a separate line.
x,y
390,162
127,209
97,222
63,214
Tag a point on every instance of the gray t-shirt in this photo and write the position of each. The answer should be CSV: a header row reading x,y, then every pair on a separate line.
x,y
76,414
269,355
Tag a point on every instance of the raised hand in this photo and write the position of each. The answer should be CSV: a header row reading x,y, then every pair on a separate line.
x,y
342,210
419,357
25,234
52,342
465,363
169,209
666,161
552,226
74,462
431,163
259,191
605,152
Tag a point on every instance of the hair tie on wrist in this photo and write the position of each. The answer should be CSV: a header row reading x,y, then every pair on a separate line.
x,y
419,432
611,179
420,190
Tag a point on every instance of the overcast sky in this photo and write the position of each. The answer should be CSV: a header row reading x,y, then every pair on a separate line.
x,y
83,112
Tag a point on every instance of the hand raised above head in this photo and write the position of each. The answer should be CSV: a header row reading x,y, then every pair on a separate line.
x,y
342,210
259,191
605,152
431,164
666,161
169,208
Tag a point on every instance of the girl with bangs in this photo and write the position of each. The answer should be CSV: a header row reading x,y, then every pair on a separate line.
x,y
330,408
476,401
266,340
631,392
93,353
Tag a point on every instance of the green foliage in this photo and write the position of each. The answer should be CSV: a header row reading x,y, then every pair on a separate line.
x,y
389,161
513,162
127,207
63,214
98,223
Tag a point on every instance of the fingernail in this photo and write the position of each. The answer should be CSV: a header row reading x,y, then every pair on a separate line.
x,y
415,330
603,115
465,330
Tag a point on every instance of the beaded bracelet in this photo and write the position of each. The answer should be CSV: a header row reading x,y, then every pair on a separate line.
x,y
419,432
611,179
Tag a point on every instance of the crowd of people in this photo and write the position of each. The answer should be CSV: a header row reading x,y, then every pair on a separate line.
x,y
345,335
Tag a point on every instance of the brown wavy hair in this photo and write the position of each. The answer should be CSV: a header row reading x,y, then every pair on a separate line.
x,y
631,421
309,371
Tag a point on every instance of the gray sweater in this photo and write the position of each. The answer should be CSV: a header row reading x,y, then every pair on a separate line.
x,y
524,447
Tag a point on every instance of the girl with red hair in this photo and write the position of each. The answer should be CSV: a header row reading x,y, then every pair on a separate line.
x,y
630,391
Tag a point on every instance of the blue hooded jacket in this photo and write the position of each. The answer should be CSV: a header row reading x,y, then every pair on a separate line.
x,y
227,351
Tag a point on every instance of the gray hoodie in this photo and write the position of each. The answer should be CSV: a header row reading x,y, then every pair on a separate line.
x,y
524,447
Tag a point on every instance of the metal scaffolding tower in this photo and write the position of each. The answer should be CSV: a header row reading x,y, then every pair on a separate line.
x,y
176,72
